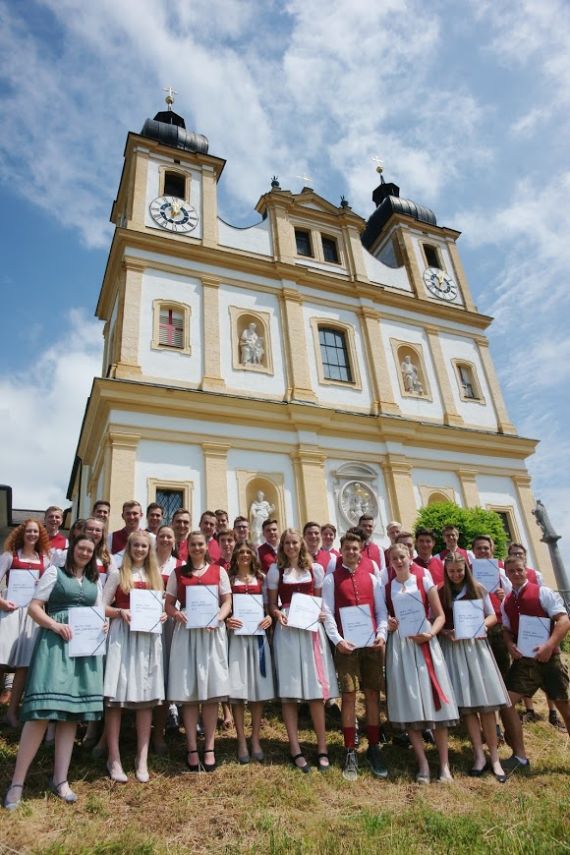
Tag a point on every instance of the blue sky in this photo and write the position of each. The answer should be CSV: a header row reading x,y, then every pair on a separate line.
x,y
466,103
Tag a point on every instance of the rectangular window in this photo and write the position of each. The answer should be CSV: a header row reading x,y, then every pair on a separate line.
x,y
466,380
506,521
432,256
169,501
171,328
303,241
330,250
334,355
174,185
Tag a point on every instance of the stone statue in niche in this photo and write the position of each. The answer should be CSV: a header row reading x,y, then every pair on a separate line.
x,y
251,346
410,376
259,511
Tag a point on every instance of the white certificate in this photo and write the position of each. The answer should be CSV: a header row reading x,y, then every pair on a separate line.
x,y
146,610
357,625
21,586
533,631
304,612
249,609
202,606
86,624
486,572
469,619
410,613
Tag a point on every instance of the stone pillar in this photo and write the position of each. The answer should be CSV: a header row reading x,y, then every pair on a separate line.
x,y
284,248
121,461
354,252
209,207
138,199
468,480
450,414
398,476
522,484
409,258
503,422
295,342
383,396
127,328
215,474
461,277
212,380
311,485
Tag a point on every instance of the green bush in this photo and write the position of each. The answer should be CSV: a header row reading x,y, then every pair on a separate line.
x,y
470,522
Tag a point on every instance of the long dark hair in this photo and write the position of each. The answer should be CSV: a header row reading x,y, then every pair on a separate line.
x,y
188,568
91,570
473,590
255,566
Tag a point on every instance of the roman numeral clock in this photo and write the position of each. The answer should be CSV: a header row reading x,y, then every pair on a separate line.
x,y
173,214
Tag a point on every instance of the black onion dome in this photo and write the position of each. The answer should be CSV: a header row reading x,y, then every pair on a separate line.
x,y
170,129
388,202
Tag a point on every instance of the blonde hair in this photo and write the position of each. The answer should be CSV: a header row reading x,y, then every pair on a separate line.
x,y
304,560
150,566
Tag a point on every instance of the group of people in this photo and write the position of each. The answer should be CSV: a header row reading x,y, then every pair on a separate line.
x,y
348,632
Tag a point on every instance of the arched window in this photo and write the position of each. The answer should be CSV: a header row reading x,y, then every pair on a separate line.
x,y
469,387
171,326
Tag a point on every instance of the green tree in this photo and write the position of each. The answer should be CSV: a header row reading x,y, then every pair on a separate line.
x,y
470,522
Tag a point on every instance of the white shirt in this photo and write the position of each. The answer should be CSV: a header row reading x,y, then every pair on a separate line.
x,y
380,612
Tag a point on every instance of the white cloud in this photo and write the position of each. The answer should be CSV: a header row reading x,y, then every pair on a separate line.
x,y
42,412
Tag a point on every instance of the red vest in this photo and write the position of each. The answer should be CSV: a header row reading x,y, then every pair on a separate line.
x,y
225,565
322,557
267,556
58,541
122,599
372,552
210,577
22,564
527,602
213,549
177,563
256,588
353,589
119,541
182,550
286,591
435,567
445,552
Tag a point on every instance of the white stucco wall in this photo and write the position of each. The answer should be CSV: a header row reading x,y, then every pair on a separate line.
x,y
259,383
256,238
411,406
165,363
474,412
436,479
500,491
383,274
170,461
339,394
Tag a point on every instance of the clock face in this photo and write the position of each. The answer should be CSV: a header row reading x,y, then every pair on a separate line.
x,y
440,284
173,214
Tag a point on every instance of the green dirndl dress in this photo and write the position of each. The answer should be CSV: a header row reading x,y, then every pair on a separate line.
x,y
60,687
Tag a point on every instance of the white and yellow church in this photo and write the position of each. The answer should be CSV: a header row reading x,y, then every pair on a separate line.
x,y
335,364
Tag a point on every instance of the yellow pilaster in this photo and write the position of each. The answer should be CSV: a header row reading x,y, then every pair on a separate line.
x,y
354,250
398,476
128,321
284,248
383,402
461,277
469,488
409,258
522,484
122,460
209,207
503,421
212,380
215,474
450,414
138,199
311,486
299,377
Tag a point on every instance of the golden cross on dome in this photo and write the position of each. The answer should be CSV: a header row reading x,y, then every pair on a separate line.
x,y
170,93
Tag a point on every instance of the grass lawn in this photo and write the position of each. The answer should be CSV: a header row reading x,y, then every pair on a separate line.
x,y
275,809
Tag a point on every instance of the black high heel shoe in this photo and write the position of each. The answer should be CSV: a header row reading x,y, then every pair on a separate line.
x,y
306,768
209,767
194,767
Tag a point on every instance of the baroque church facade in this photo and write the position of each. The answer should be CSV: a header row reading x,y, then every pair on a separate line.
x,y
334,364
